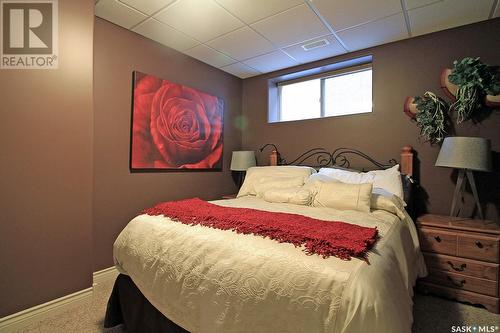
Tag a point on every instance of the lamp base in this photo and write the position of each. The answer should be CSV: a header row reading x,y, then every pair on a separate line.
x,y
457,195
238,178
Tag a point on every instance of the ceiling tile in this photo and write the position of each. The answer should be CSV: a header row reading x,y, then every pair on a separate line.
x,y
271,62
209,56
240,70
448,14
147,6
118,13
330,50
292,26
379,32
249,12
342,14
165,35
410,4
242,44
203,20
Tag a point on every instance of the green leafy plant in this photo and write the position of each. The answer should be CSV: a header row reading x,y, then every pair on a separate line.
x,y
431,117
474,79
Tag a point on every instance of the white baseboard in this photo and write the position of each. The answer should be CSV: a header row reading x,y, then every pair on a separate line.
x,y
105,275
19,320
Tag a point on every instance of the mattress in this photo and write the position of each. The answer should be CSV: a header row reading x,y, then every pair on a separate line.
x,y
210,280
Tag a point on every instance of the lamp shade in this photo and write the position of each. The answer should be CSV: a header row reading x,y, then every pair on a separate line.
x,y
465,153
242,160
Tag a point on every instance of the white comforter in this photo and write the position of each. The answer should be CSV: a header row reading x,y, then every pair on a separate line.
x,y
209,280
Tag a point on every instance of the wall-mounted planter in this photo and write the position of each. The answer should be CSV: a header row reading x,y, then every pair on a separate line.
x,y
449,89
466,86
410,108
493,101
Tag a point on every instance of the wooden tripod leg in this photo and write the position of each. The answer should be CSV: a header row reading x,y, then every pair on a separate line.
x,y
458,190
470,176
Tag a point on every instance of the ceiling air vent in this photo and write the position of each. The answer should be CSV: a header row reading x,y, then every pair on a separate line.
x,y
315,44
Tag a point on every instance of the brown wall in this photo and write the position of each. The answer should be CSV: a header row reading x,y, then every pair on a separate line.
x,y
48,150
46,171
119,194
405,68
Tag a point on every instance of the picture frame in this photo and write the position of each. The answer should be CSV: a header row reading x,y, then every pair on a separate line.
x,y
174,127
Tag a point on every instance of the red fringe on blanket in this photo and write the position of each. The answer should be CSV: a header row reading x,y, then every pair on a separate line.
x,y
325,238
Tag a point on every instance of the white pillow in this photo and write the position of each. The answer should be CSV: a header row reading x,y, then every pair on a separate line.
x,y
388,179
268,183
346,176
319,177
295,195
343,196
255,174
390,203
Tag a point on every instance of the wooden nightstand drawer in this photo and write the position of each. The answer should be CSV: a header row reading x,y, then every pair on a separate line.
x,y
462,257
463,282
438,241
468,267
478,247
490,303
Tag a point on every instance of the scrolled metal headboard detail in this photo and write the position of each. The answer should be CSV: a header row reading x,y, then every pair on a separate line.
x,y
323,158
339,156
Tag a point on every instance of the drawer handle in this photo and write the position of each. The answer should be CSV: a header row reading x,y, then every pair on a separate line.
x,y
458,269
455,283
479,244
438,239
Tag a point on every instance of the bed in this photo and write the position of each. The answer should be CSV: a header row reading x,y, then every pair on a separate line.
x,y
177,277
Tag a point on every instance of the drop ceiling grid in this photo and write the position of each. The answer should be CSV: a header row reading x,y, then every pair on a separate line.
x,y
153,16
362,23
248,61
242,61
248,25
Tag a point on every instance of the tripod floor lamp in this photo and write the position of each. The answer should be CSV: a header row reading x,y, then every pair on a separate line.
x,y
467,154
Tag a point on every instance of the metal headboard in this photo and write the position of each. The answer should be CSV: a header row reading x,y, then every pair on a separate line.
x,y
320,158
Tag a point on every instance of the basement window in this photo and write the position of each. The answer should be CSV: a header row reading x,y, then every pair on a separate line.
x,y
338,92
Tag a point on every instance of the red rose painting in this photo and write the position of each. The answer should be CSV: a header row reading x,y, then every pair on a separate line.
x,y
174,126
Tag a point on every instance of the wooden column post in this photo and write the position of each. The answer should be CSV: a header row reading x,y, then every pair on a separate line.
x,y
406,161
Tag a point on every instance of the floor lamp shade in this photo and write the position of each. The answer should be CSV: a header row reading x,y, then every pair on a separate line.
x,y
467,154
242,160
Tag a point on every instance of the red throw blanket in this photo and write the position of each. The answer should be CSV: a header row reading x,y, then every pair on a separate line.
x,y
326,238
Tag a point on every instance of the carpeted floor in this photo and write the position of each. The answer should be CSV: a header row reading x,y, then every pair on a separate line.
x,y
432,314
86,318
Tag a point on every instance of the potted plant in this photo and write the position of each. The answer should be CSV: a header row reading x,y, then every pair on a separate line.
x,y
429,111
468,84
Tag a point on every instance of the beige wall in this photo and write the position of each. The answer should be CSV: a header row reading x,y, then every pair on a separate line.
x,y
405,68
119,195
46,170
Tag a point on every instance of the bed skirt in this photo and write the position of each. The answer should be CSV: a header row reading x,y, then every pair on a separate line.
x,y
128,306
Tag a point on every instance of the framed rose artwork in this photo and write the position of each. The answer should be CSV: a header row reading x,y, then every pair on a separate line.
x,y
174,127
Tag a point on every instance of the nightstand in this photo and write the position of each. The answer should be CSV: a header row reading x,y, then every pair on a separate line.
x,y
229,196
462,257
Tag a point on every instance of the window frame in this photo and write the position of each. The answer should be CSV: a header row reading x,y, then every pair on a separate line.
x,y
322,77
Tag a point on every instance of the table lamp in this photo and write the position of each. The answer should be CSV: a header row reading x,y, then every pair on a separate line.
x,y
240,162
467,154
